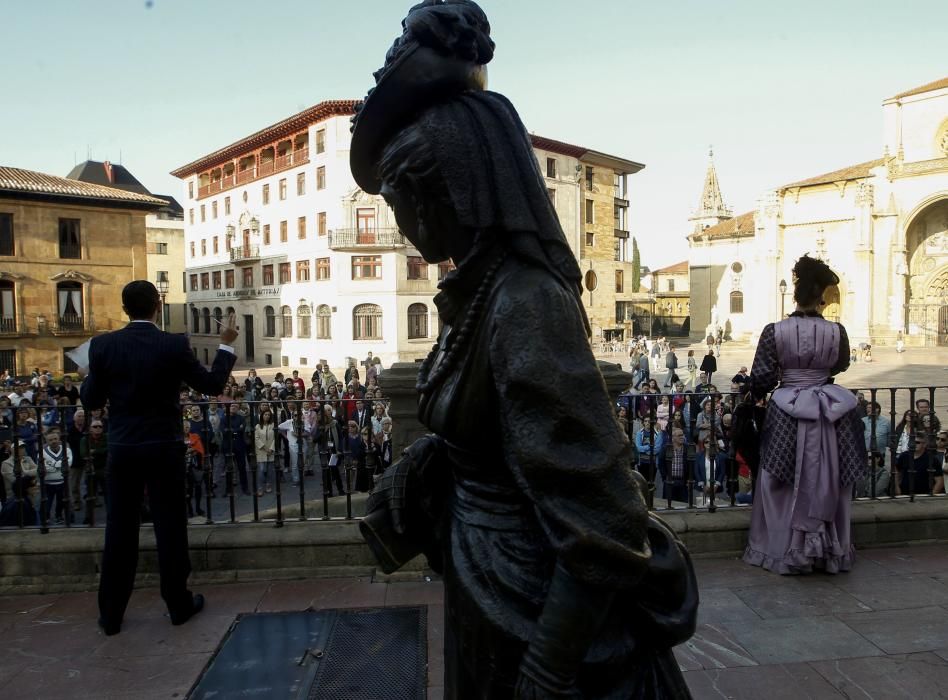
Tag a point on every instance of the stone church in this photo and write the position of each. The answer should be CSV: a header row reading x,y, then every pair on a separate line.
x,y
882,225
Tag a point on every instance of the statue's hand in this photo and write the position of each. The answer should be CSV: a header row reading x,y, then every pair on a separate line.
x,y
399,486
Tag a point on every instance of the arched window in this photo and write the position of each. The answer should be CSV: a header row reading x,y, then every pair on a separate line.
x,y
218,316
270,330
287,330
7,308
303,319
417,321
69,300
737,302
323,322
195,320
367,322
206,317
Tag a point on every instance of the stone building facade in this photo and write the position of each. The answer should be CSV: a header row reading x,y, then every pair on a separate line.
x,y
66,250
882,225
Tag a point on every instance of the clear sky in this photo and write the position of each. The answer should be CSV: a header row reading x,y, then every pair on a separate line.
x,y
782,90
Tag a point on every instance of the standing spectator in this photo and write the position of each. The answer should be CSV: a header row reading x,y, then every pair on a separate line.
x,y
69,391
293,430
9,468
265,445
709,365
93,456
899,343
76,431
254,386
905,433
361,415
195,465
742,378
656,353
674,468
650,444
354,454
692,370
56,458
350,368
671,364
298,382
368,460
643,370
329,447
234,444
27,432
378,416
385,448
913,467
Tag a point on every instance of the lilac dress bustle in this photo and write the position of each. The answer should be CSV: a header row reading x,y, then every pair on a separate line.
x,y
810,453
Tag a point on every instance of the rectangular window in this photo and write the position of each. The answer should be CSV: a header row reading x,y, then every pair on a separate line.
x,y
194,283
620,281
321,177
321,223
322,268
191,246
229,278
226,206
589,178
551,167
214,209
284,273
282,189
191,190
268,358
266,194
266,234
203,247
228,243
365,226
191,216
444,268
417,268
301,227
366,267
216,279
247,277
300,184
6,236
203,214
552,195
69,239
215,245
282,232
671,284
320,140
267,275
205,281
590,239
302,270
152,247
619,185
589,211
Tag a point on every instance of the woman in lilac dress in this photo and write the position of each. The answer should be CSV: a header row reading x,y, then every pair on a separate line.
x,y
812,449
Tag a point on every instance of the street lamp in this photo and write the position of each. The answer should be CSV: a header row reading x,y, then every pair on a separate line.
x,y
783,292
651,320
163,286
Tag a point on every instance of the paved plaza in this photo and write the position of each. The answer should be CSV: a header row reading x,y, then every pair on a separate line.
x,y
878,632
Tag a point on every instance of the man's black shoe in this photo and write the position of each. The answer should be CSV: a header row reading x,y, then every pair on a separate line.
x,y
109,630
196,606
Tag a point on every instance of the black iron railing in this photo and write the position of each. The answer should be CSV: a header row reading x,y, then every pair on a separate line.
x,y
226,482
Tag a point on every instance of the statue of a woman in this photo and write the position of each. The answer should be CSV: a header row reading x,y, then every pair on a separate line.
x,y
558,583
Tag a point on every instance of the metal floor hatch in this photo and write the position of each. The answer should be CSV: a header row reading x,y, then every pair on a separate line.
x,y
365,654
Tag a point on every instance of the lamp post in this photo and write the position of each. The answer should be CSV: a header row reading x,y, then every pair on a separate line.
x,y
163,285
651,320
783,293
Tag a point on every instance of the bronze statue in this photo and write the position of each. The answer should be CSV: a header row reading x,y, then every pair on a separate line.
x,y
558,582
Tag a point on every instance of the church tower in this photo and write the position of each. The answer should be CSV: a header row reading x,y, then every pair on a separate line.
x,y
711,209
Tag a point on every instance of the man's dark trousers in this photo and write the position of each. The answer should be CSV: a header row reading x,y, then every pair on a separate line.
x,y
160,467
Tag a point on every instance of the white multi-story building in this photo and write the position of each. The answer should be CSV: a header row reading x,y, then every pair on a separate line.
x,y
277,232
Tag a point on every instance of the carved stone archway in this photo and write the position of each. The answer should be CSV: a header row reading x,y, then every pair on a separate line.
x,y
927,286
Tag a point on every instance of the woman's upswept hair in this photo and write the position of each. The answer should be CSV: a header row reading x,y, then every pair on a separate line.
x,y
811,276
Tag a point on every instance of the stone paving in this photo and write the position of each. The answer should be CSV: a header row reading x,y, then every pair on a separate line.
x,y
878,632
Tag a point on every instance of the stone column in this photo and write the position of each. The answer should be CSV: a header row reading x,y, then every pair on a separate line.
x,y
398,385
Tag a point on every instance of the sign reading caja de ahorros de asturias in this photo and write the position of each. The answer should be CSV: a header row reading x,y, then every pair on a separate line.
x,y
238,293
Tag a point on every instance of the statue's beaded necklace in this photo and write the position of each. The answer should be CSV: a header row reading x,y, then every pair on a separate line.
x,y
428,380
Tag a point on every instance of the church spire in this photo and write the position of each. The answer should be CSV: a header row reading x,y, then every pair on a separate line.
x,y
711,209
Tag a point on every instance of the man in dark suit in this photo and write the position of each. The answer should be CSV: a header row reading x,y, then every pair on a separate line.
x,y
139,370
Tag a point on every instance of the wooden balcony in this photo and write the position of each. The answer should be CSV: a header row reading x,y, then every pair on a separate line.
x,y
262,169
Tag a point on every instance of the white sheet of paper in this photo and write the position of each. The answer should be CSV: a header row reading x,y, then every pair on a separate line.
x,y
80,355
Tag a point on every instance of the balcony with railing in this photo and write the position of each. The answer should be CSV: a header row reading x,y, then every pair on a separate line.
x,y
261,169
340,239
9,326
246,252
71,324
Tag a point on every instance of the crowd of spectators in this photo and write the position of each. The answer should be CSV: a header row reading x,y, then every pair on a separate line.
x,y
337,431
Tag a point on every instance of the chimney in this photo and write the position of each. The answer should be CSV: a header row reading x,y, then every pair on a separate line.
x,y
108,171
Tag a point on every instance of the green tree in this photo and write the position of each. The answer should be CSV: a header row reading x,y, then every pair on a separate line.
x,y
636,267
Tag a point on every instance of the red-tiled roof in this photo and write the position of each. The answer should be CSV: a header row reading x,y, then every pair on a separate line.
x,y
740,225
286,127
680,268
29,182
566,149
853,172
927,87
587,154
